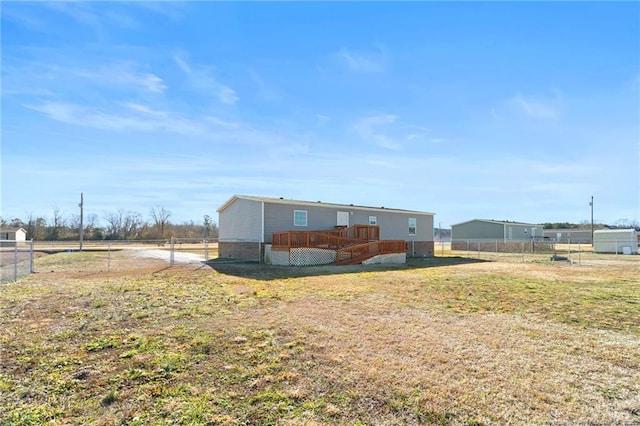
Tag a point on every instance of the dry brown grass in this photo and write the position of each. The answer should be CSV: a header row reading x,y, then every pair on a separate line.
x,y
438,341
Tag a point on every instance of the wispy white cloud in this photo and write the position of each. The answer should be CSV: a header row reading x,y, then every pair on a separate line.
x,y
138,117
373,61
30,77
264,91
147,120
202,78
144,109
372,128
120,73
25,17
387,131
322,119
182,64
536,107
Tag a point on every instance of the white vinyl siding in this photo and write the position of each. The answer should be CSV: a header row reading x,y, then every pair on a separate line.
x,y
299,218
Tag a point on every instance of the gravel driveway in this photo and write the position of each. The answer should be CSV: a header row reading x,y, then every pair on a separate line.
x,y
183,258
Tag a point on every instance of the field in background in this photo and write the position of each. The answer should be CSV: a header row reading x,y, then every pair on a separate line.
x,y
448,340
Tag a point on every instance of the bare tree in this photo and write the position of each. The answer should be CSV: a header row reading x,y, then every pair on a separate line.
x,y
124,224
160,217
16,222
55,225
132,224
31,225
114,223
626,223
74,223
91,229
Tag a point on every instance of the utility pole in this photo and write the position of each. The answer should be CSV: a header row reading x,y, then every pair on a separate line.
x,y
591,204
81,205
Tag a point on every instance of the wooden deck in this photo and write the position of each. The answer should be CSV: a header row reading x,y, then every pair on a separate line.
x,y
353,244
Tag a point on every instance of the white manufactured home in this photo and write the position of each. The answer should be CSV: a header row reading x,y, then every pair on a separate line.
x,y
251,227
623,241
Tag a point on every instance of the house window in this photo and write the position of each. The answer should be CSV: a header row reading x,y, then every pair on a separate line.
x,y
412,226
299,218
373,220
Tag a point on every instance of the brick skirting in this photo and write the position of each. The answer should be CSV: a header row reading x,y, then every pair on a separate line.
x,y
419,248
240,250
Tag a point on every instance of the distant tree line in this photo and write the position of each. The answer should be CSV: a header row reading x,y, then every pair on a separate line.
x,y
620,223
117,225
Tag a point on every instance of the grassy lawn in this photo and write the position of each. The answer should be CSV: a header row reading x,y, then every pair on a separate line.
x,y
436,341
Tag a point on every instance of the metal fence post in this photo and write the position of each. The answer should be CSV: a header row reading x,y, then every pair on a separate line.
x,y
31,270
522,243
206,249
108,256
579,253
15,262
172,257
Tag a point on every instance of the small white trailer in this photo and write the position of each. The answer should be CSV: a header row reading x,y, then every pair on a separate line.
x,y
619,241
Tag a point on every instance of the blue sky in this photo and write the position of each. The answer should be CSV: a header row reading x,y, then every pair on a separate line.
x,y
507,110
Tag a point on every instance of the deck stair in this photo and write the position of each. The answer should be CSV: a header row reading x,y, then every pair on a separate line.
x,y
360,252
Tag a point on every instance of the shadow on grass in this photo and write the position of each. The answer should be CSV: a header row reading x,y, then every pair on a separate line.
x,y
258,271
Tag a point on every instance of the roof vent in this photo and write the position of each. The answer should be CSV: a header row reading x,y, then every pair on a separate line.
x,y
281,198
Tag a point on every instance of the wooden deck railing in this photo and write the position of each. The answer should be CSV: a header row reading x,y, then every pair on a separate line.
x,y
285,240
362,232
360,252
333,239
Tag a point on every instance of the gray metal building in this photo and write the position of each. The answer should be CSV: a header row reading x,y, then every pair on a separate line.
x,y
485,229
572,235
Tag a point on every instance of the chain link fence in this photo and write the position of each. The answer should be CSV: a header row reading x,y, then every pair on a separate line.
x,y
538,250
16,260
19,259
189,250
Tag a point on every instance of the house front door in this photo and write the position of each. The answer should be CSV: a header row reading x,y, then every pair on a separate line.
x,y
343,219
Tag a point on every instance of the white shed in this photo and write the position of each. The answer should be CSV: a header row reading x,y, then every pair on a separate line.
x,y
623,241
11,237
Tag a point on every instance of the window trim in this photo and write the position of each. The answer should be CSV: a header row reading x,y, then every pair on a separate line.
x,y
415,226
306,220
